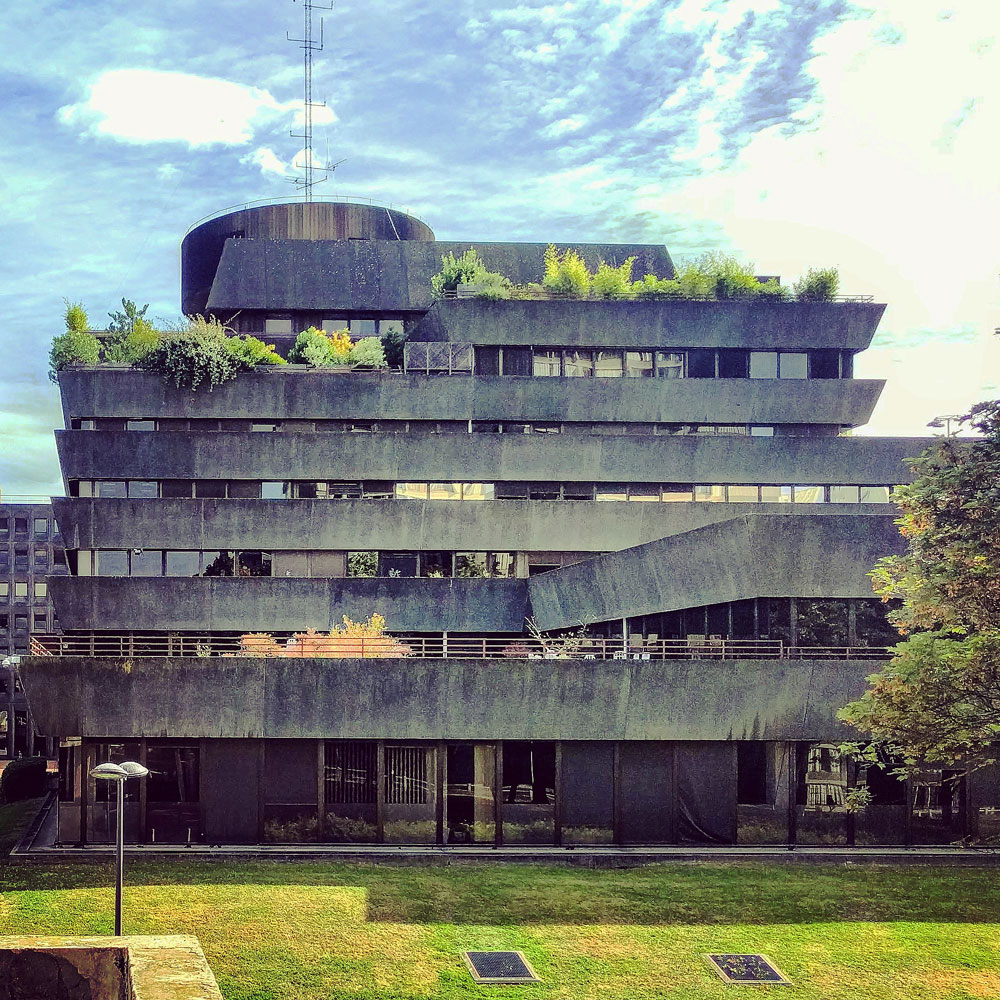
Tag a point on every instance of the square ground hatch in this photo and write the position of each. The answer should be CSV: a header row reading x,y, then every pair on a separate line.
x,y
499,967
747,970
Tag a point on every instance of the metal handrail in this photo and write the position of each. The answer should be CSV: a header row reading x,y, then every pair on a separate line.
x,y
321,645
292,199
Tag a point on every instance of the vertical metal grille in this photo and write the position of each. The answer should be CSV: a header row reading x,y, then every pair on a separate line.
x,y
406,775
350,771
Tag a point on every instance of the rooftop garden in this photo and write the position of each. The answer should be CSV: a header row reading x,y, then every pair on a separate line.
x,y
711,277
197,351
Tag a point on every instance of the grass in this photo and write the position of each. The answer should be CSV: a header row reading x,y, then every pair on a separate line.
x,y
358,931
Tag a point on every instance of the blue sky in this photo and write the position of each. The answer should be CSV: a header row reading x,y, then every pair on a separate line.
x,y
793,132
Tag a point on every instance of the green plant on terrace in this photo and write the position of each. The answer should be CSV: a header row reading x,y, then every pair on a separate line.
x,y
455,270
612,282
130,335
818,284
251,351
194,356
565,273
74,347
369,351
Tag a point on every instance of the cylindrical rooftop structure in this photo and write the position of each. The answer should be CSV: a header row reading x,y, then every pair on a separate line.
x,y
201,249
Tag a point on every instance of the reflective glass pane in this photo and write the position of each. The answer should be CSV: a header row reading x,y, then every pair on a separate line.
x,y
794,365
809,494
140,425
470,564
938,806
143,490
435,564
350,786
411,491
578,364
176,488
362,328
500,564
710,493
547,363
446,491
761,432
410,795
183,564
733,363
743,494
776,494
676,492
212,489
529,792
883,820
608,364
254,563
644,492
331,323
243,489
218,564
390,327
110,488
821,621
763,364
669,364
147,562
478,491
844,494
762,792
274,491
639,364
874,494
821,794
110,563
701,362
612,491
362,563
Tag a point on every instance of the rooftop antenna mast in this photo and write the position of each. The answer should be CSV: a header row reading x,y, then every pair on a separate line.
x,y
307,182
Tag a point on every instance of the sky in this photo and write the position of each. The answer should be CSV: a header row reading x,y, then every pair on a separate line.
x,y
793,133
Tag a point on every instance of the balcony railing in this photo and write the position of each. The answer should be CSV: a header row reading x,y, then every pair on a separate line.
x,y
132,644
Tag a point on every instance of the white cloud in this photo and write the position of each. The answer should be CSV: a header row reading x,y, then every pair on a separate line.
x,y
265,158
148,105
555,129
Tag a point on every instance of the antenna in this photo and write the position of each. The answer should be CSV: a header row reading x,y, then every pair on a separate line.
x,y
309,46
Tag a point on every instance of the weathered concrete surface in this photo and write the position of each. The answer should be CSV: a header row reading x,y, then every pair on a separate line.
x,y
484,457
766,326
757,555
135,967
502,525
443,699
296,393
241,604
373,274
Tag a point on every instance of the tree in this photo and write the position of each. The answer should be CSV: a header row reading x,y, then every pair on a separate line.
x,y
130,335
938,699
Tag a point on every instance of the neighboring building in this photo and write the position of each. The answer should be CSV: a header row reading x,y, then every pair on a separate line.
x,y
30,552
671,474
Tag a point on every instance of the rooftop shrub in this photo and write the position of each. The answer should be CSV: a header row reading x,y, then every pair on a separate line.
x,y
195,355
130,335
76,346
611,282
252,351
369,351
565,273
469,270
325,350
818,284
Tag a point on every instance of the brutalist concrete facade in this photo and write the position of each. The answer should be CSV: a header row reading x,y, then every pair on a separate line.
x,y
672,476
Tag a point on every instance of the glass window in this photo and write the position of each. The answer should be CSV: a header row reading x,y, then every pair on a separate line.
x,y
243,489
874,494
529,792
147,562
676,492
759,431
734,363
20,623
274,491
176,488
411,491
578,491
809,494
41,558
543,491
763,364
639,364
546,428
110,488
263,428
578,364
445,491
410,794
470,564
20,525
140,425
608,364
390,327
485,427
253,563
41,591
739,430
278,326
469,807
743,494
644,492
612,491
669,364
824,363
4,590
547,363
145,490
111,562
218,564
331,323
478,491
435,564
500,564
362,563
312,491
40,621
701,362
210,489
183,564
821,622
41,527
776,494
710,493
844,494
362,328
793,365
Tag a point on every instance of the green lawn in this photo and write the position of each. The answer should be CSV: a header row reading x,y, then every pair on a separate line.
x,y
374,931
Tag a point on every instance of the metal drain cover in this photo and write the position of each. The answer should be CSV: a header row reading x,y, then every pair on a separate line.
x,y
499,967
747,970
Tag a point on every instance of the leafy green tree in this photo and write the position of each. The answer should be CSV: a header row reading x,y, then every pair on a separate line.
x,y
938,699
610,282
130,335
76,346
566,273
818,284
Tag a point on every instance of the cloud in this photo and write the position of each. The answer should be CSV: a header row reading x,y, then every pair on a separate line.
x,y
556,129
268,161
148,106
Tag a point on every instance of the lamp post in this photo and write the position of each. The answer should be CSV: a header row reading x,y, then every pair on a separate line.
x,y
119,774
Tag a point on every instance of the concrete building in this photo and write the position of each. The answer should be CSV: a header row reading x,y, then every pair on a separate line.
x,y
30,553
670,477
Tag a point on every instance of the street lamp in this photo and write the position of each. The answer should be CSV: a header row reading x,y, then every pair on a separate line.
x,y
119,774
945,421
